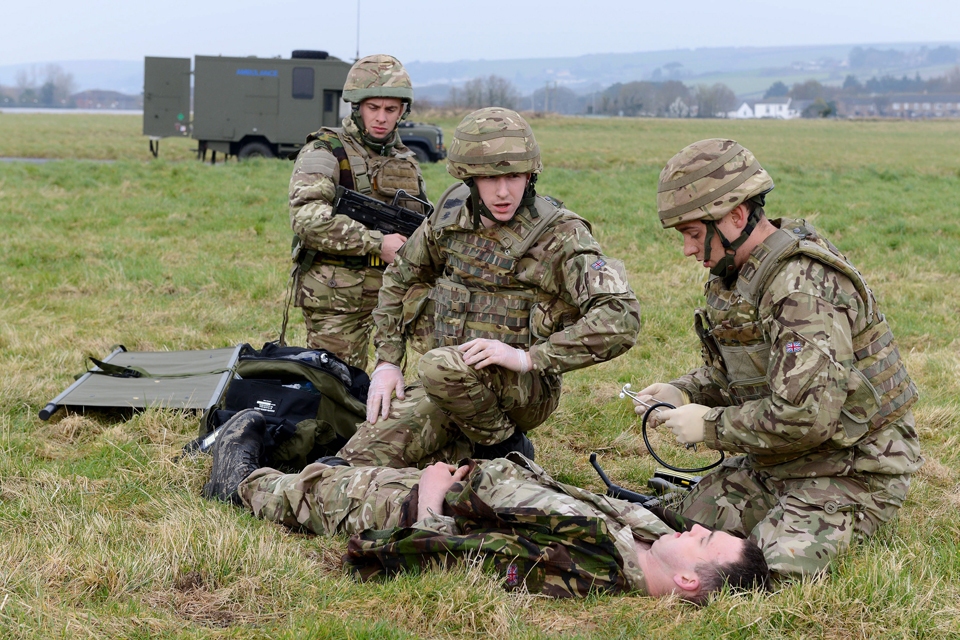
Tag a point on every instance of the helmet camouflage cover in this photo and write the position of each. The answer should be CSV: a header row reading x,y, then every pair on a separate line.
x,y
493,141
706,180
377,76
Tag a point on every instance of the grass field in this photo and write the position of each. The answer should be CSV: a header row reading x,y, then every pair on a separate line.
x,y
103,534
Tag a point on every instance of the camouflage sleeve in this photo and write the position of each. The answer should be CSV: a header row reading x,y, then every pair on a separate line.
x,y
700,387
418,261
808,312
313,187
595,286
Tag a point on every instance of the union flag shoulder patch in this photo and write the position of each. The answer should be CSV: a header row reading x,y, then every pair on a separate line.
x,y
598,264
794,347
513,575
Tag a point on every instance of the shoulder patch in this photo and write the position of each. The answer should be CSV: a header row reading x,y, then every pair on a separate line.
x,y
552,200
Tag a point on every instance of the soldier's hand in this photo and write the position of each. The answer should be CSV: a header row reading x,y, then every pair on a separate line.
x,y
386,380
658,392
482,352
686,422
391,244
435,481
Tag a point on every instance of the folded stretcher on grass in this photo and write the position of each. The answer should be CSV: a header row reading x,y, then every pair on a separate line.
x,y
142,379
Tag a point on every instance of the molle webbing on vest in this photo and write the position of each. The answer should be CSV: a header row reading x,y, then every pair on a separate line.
x,y
480,297
876,357
464,314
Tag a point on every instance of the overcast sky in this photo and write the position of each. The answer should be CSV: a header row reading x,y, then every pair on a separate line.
x,y
448,30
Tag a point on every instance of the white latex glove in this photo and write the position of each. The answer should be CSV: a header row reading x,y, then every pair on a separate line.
x,y
658,392
686,422
481,352
386,380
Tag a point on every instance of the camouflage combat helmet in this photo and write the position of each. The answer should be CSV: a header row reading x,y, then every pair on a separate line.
x,y
377,76
706,180
492,142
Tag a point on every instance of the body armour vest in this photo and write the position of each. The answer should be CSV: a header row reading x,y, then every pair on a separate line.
x,y
376,176
737,349
479,295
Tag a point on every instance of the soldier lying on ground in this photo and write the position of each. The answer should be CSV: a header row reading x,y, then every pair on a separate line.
x,y
503,291
536,533
801,374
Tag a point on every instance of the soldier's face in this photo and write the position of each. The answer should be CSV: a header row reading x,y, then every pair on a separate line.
x,y
502,194
380,115
694,241
684,551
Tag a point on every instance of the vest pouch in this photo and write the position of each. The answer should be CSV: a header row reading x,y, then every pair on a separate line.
x,y
499,315
331,287
450,316
389,175
858,412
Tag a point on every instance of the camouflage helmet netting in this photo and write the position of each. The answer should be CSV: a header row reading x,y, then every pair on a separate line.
x,y
706,180
377,76
493,142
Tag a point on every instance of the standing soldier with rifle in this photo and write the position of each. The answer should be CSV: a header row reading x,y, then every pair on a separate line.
x,y
340,261
503,291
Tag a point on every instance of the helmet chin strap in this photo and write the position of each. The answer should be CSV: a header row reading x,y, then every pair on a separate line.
x,y
726,266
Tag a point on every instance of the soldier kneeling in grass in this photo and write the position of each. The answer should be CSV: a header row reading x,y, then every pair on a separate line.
x,y
503,291
532,531
801,372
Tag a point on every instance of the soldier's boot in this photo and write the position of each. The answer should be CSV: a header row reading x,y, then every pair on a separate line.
x,y
236,454
518,442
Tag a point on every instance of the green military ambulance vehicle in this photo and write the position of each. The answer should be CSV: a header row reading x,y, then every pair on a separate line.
x,y
256,107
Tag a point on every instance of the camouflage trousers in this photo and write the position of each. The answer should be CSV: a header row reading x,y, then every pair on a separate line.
x,y
337,306
453,408
328,500
801,524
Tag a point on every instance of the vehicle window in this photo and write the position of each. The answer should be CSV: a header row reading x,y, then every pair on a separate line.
x,y
303,83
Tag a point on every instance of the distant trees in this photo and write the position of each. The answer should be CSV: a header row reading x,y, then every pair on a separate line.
x,y
671,99
715,100
492,91
55,89
776,90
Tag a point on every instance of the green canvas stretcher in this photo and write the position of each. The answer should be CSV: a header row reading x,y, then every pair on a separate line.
x,y
142,379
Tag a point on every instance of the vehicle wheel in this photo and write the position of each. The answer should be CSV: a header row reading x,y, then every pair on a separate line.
x,y
255,150
422,156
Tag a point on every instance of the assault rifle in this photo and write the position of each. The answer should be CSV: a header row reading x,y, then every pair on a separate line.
x,y
381,216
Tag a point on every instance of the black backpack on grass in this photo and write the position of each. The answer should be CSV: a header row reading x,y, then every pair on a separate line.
x,y
311,399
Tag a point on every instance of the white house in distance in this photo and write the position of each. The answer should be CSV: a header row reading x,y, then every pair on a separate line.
x,y
768,108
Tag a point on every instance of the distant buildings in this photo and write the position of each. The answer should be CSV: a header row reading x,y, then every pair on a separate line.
x,y
920,105
781,108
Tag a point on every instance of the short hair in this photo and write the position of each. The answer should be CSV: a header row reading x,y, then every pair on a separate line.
x,y
749,572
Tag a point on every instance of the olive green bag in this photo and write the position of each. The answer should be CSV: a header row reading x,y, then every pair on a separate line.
x,y
311,399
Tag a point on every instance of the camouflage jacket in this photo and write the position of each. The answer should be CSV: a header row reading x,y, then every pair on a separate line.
x,y
532,531
801,368
323,163
583,310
